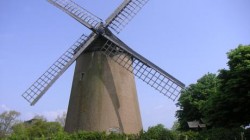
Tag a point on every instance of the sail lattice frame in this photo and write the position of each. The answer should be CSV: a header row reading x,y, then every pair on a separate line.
x,y
150,75
43,83
124,14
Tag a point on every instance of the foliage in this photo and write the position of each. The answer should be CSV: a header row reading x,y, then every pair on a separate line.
x,y
190,135
225,96
39,117
86,135
175,126
221,102
232,101
7,120
41,130
48,130
222,134
247,133
35,128
194,98
211,134
19,132
157,132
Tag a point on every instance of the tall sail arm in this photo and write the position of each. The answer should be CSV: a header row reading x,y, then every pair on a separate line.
x,y
44,82
123,14
77,12
142,68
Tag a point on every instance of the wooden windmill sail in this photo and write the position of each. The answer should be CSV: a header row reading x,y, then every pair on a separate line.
x,y
103,95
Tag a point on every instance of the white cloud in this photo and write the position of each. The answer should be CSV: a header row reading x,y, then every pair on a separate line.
x,y
3,108
49,115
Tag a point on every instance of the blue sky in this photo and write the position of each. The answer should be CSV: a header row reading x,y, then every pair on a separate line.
x,y
187,38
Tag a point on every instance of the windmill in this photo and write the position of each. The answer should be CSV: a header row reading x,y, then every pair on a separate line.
x,y
103,95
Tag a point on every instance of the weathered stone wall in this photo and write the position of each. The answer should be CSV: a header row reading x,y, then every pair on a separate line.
x,y
103,96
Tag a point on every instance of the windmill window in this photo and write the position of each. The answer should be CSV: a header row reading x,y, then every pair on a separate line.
x,y
82,75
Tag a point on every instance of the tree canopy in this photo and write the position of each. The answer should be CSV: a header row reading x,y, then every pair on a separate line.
x,y
7,120
220,101
194,98
230,107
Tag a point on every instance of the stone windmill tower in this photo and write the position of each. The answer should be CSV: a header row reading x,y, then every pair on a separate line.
x,y
103,95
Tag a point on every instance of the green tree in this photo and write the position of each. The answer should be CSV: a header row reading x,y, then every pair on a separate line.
x,y
233,99
157,132
194,98
7,120
36,128
39,117
20,132
175,126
